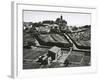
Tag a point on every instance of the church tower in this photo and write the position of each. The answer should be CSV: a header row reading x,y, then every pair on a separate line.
x,y
61,17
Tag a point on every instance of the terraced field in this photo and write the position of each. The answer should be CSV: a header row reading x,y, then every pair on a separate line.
x,y
59,38
53,38
82,38
47,38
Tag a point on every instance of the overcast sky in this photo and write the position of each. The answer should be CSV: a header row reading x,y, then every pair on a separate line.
x,y
74,19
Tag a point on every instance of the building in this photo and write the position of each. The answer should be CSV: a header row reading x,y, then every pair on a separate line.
x,y
55,53
62,23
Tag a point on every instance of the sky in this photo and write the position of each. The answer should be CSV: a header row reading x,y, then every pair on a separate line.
x,y
73,19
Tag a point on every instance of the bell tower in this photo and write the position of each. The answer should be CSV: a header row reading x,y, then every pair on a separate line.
x,y
61,17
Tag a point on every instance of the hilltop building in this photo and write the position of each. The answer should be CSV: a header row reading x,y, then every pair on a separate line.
x,y
46,26
62,23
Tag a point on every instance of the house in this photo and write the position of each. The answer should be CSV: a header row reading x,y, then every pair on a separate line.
x,y
55,53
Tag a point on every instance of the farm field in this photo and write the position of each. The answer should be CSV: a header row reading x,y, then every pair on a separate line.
x,y
53,38
33,53
82,38
75,58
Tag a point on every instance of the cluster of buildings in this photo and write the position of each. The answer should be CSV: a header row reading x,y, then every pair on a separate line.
x,y
49,26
